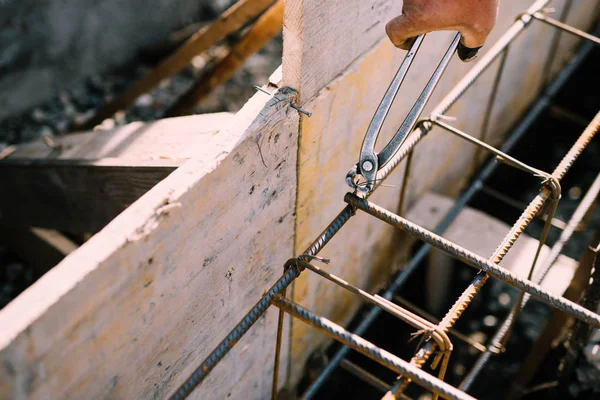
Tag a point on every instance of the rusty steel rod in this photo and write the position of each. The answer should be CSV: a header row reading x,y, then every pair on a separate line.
x,y
368,349
503,157
471,291
487,116
551,57
499,338
278,342
200,373
414,320
536,110
364,375
566,28
476,261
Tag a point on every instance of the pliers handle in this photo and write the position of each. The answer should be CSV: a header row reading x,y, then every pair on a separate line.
x,y
371,162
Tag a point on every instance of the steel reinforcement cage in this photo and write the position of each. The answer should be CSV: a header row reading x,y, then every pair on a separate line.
x,y
435,341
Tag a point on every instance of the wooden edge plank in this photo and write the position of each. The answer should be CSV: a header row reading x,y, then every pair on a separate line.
x,y
75,196
239,14
157,246
42,248
96,175
134,219
169,138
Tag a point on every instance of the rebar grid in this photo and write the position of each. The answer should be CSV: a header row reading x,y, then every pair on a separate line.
x,y
478,183
411,371
370,350
473,289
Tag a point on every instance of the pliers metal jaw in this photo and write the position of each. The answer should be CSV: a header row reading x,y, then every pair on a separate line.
x,y
370,162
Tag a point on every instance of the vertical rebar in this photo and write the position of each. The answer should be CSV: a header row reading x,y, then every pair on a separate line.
x,y
550,60
496,344
368,349
278,340
487,118
405,182
559,173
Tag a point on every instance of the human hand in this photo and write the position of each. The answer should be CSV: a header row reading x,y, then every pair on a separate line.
x,y
474,19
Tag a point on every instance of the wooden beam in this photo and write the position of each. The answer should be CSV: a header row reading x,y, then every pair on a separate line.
x,y
267,26
41,248
321,39
163,283
96,175
238,15
73,195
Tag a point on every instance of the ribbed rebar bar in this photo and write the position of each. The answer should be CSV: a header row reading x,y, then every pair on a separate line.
x,y
364,375
559,172
292,272
566,28
487,116
441,338
498,340
476,261
519,131
550,59
368,349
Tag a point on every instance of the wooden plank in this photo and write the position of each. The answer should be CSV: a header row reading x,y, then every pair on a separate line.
x,y
267,26
41,248
367,251
238,15
134,310
75,196
322,38
97,174
170,138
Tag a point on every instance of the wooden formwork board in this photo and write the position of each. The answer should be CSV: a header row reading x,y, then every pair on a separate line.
x,y
89,178
133,311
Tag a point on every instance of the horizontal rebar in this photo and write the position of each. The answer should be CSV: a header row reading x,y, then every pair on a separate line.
x,y
365,376
414,320
509,160
498,195
292,272
498,339
368,349
474,260
567,28
471,291
519,131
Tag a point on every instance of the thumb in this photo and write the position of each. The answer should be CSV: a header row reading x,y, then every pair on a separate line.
x,y
403,29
